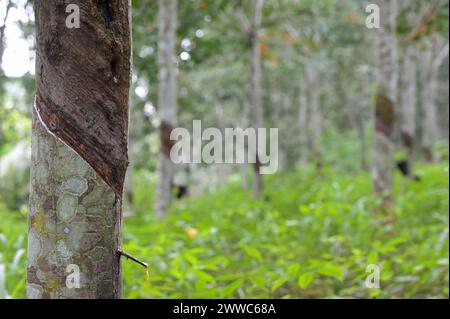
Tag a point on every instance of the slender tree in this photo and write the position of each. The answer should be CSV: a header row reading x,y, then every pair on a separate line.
x,y
9,5
79,148
302,122
408,102
256,91
433,56
382,165
167,100
315,123
243,167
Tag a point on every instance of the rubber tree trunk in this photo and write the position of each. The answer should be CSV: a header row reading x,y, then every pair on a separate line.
x,y
243,168
9,6
79,150
361,131
136,118
429,130
302,123
315,124
358,119
382,165
167,101
408,102
279,104
256,93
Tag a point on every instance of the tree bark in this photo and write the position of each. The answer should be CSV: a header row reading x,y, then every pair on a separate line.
x,y
302,123
256,93
382,166
2,51
167,100
279,105
408,103
243,168
315,124
432,60
79,149
362,143
9,5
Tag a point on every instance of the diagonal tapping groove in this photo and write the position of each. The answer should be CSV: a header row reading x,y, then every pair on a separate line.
x,y
104,7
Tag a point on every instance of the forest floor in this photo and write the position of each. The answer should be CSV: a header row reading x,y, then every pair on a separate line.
x,y
312,237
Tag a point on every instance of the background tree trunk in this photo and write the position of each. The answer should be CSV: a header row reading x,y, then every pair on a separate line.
x,y
302,123
382,165
167,100
80,114
278,106
2,52
362,143
408,103
256,93
315,124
